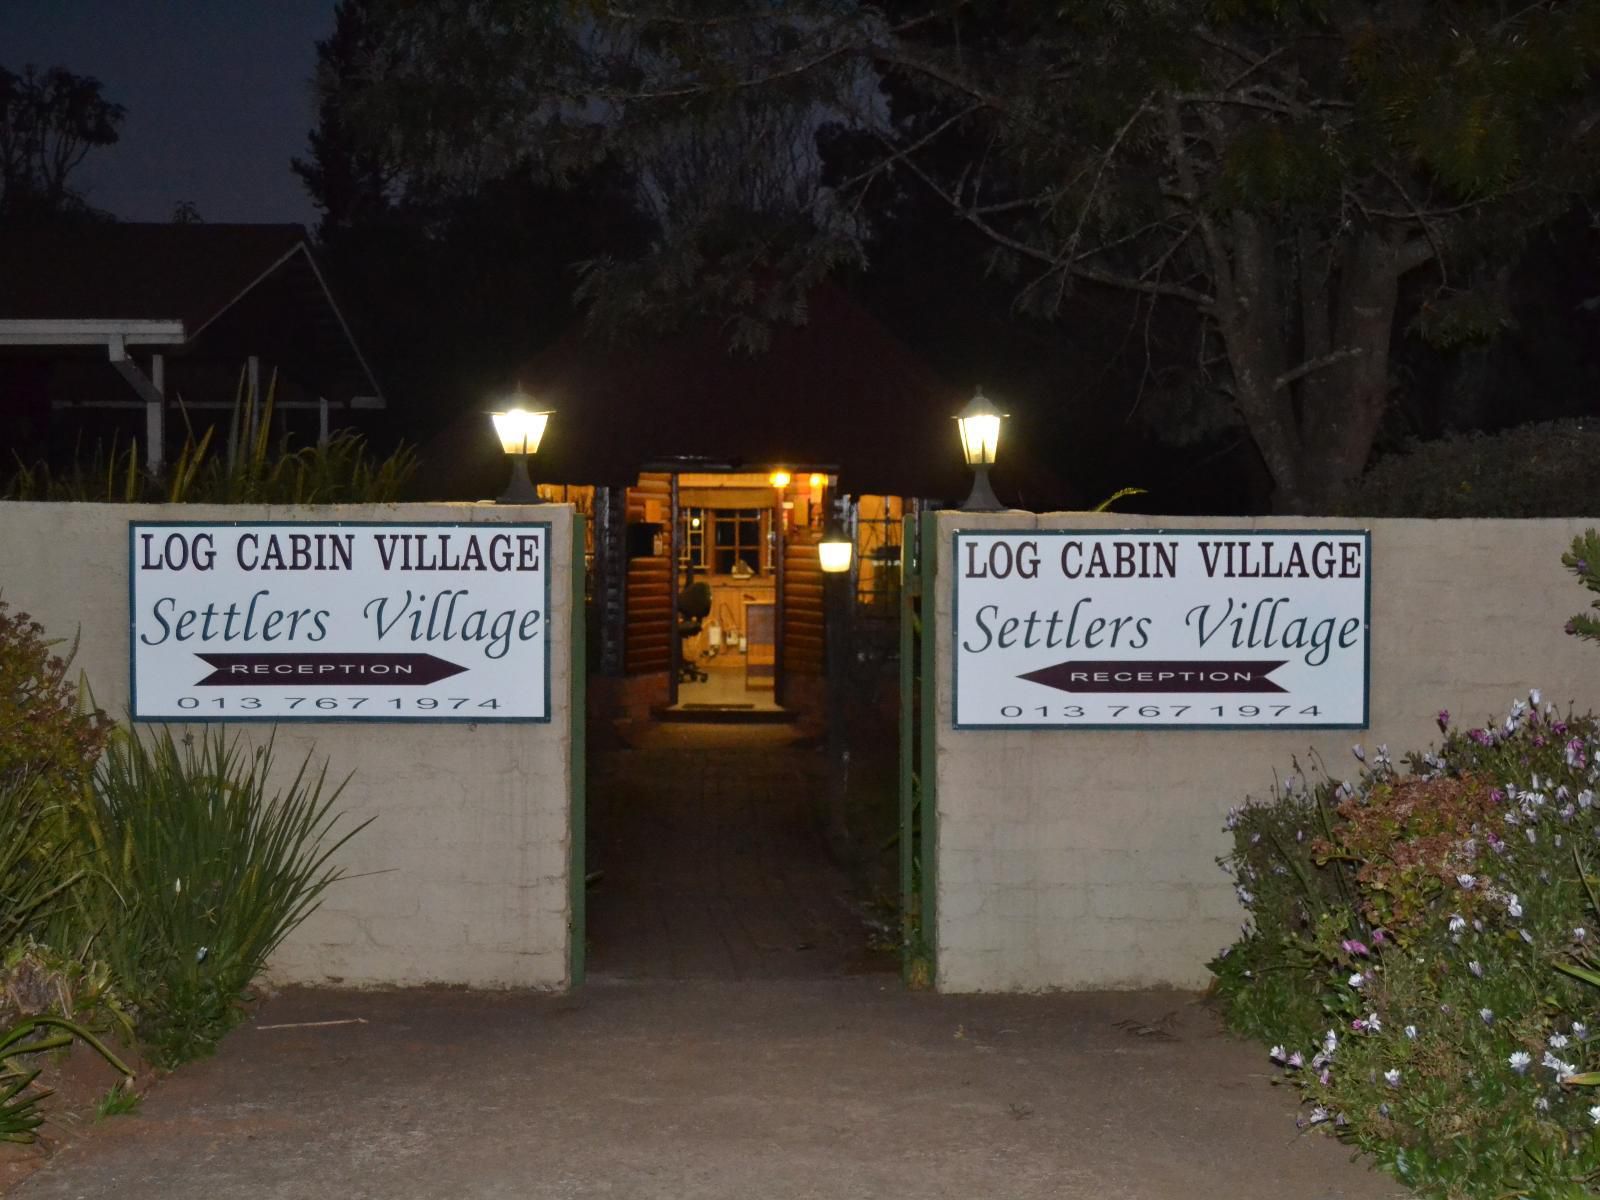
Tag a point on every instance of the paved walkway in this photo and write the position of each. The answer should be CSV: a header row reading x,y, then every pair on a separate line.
x,y
771,1090
713,862
728,1047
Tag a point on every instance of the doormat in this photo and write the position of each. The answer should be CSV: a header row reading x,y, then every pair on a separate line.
x,y
716,706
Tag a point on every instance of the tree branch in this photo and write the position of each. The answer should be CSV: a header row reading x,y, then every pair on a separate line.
x,y
1314,365
1100,171
1221,269
1240,99
1434,241
1075,265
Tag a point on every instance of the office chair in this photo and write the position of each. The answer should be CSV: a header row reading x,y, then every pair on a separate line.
x,y
694,606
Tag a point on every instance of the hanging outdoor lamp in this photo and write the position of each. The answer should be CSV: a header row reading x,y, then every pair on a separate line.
x,y
979,426
835,549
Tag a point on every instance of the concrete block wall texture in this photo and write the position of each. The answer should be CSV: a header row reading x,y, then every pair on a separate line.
x,y
1086,859
462,877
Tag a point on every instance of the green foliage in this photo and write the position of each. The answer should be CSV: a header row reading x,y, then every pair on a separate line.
x,y
253,469
1544,470
1408,982
1274,977
49,738
201,865
49,742
1277,168
1303,178
1120,494
19,1099
35,867
120,1100
37,980
1583,560
1584,967
1461,318
49,120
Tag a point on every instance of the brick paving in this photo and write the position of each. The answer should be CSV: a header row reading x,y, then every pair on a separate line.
x,y
712,861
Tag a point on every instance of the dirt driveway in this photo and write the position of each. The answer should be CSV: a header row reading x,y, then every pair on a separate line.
x,y
756,1090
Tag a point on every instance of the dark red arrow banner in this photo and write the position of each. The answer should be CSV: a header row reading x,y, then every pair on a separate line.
x,y
1109,675
326,670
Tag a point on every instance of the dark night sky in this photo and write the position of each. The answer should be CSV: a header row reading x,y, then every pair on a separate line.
x,y
217,92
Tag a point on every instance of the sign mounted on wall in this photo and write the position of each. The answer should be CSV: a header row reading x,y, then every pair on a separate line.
x,y
356,621
1140,628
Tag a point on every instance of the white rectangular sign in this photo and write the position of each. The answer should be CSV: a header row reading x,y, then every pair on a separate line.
x,y
1152,627
355,621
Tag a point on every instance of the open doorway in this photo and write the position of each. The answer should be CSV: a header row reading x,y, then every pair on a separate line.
x,y
726,839
731,533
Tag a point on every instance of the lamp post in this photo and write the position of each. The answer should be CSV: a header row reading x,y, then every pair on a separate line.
x,y
520,431
834,554
979,426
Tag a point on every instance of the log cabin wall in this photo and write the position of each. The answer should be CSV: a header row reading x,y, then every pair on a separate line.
x,y
651,625
803,623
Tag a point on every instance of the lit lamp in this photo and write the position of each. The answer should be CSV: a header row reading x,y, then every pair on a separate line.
x,y
779,478
979,424
833,556
520,431
834,550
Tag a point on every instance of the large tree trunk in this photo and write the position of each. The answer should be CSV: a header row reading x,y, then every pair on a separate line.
x,y
1252,333
1312,390
1341,406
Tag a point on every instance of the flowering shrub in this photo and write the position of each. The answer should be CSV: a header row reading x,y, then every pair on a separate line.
x,y
49,742
46,734
1277,977
1409,940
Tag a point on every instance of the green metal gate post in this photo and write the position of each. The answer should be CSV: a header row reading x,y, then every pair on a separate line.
x,y
908,738
577,760
927,570
918,807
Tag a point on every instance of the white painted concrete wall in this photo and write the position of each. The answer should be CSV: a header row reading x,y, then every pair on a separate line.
x,y
463,876
1086,859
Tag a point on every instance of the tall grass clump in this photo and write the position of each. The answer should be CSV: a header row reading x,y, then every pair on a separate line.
x,y
36,868
201,866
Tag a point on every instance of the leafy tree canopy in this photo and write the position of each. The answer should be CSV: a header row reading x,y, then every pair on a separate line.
x,y
49,122
1301,181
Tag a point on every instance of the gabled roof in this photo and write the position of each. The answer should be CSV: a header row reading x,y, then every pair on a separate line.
x,y
250,289
837,393
187,273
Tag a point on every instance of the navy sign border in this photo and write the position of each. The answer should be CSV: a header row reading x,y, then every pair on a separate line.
x,y
1190,726
233,719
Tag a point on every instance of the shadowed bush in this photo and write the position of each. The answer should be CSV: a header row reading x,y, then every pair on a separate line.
x,y
1543,470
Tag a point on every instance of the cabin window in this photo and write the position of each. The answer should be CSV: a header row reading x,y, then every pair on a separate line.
x,y
736,538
